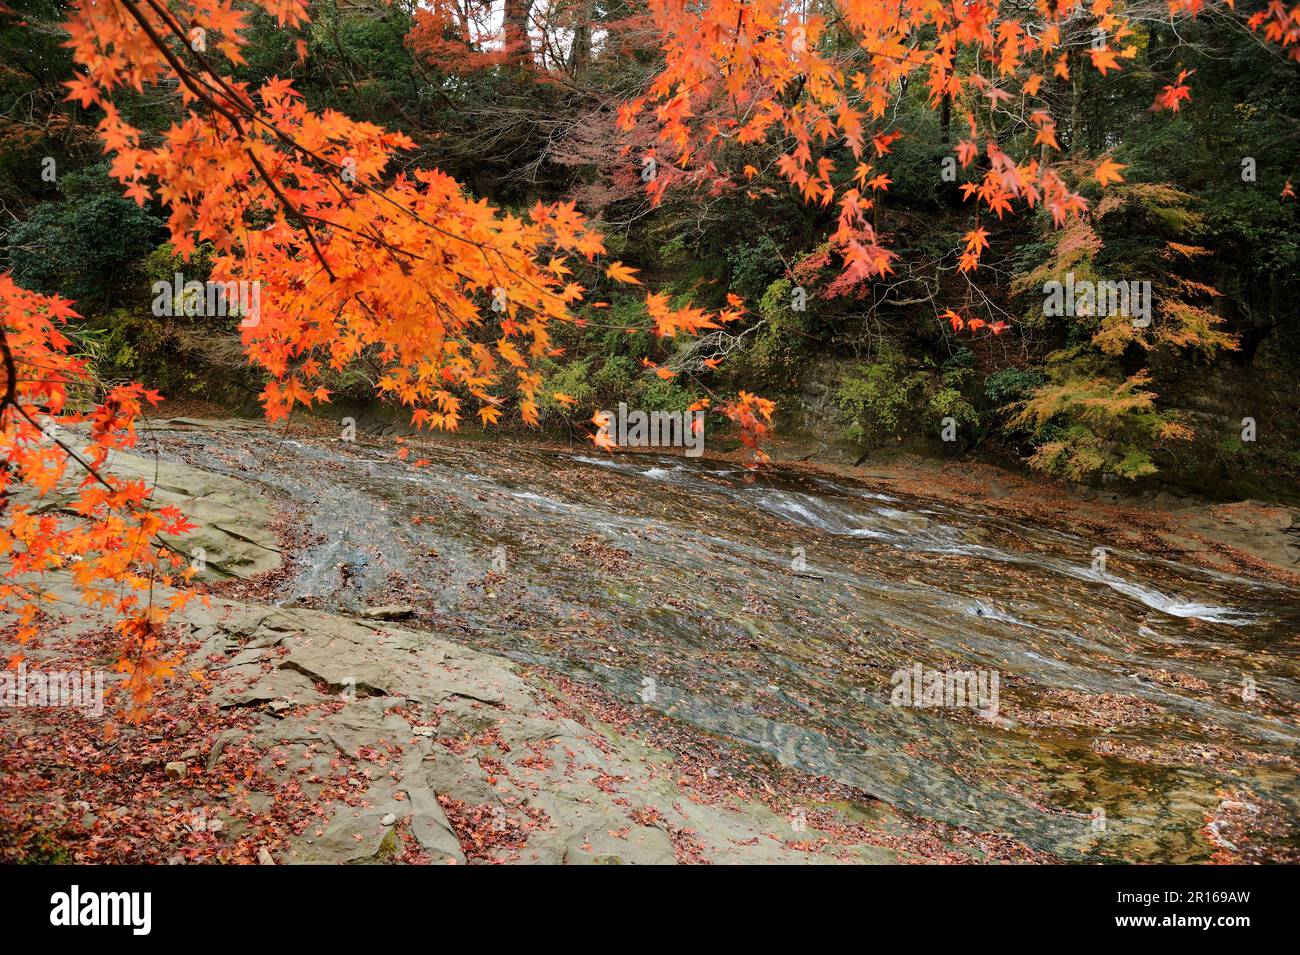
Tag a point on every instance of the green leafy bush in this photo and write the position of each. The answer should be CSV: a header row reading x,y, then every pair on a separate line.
x,y
892,397
779,345
1092,422
86,248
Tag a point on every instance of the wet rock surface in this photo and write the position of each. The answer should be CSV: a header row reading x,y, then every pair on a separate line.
x,y
392,744
234,533
449,620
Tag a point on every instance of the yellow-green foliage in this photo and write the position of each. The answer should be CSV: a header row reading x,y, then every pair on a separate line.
x,y
1089,417
1092,421
1070,249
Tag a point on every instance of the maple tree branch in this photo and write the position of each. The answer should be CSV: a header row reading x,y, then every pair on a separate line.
x,y
245,106
10,400
11,372
190,80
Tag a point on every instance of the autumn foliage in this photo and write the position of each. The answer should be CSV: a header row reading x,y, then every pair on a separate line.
x,y
110,542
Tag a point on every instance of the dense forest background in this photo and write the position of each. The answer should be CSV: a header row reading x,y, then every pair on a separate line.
x,y
1205,214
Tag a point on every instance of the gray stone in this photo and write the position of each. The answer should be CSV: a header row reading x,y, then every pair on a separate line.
x,y
391,612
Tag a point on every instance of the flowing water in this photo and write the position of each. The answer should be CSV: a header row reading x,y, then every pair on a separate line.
x,y
774,610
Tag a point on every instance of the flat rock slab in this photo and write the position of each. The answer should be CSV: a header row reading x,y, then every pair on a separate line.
x,y
234,534
423,722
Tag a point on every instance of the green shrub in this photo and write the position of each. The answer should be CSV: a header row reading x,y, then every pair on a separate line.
x,y
656,394
779,345
890,396
754,267
86,248
1011,384
573,379
1091,421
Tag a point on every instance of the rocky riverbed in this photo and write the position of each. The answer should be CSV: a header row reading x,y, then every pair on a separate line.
x,y
474,651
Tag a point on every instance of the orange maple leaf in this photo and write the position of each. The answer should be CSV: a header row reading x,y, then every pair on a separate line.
x,y
622,273
1107,172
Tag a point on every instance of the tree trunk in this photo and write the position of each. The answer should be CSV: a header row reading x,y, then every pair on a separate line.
x,y
580,51
1076,103
518,49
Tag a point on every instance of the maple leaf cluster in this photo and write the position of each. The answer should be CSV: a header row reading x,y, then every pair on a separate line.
x,y
458,36
348,263
52,440
1280,24
749,72
753,416
817,84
